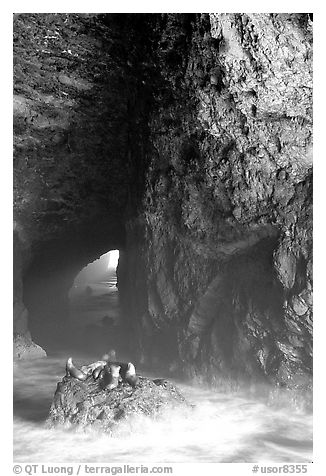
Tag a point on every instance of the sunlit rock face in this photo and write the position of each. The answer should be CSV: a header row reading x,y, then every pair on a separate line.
x,y
184,140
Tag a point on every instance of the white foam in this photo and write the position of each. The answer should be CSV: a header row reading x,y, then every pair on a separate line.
x,y
222,428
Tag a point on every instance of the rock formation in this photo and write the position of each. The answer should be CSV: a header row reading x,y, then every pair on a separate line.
x,y
85,403
185,141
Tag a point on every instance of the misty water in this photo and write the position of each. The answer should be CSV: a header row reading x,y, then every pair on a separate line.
x,y
222,427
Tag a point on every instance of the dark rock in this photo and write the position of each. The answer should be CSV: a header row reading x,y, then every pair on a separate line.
x,y
86,403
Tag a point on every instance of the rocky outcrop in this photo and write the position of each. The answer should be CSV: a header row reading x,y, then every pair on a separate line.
x,y
24,348
184,140
86,404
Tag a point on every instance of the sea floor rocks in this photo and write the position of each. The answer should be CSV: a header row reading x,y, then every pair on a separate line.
x,y
86,404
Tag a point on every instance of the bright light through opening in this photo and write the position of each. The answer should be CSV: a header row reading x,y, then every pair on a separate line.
x,y
113,258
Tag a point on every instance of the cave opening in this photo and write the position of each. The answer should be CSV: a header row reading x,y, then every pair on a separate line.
x,y
70,291
94,304
101,270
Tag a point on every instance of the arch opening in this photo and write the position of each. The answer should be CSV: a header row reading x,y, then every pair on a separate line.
x,y
94,305
101,270
94,295
72,306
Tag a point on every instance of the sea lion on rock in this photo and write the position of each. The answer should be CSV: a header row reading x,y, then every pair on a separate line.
x,y
127,372
88,369
130,375
110,376
98,366
72,371
96,372
160,382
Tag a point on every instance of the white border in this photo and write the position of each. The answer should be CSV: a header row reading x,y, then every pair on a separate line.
x,y
319,160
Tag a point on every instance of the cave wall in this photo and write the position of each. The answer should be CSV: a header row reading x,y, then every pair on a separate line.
x,y
78,141
184,140
23,344
228,200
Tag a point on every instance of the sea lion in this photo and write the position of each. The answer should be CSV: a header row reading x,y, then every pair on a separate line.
x,y
88,369
161,382
96,372
72,371
130,375
127,372
110,376
98,366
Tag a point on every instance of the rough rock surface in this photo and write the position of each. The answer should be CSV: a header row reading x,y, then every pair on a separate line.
x,y
228,199
184,140
74,172
25,348
85,403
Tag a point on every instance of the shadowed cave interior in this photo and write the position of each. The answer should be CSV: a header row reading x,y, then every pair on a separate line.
x,y
165,136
